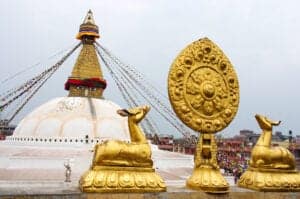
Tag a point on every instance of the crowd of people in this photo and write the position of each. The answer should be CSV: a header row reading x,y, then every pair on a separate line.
x,y
233,164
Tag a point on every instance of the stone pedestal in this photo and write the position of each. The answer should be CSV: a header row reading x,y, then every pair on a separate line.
x,y
270,180
206,175
121,179
208,180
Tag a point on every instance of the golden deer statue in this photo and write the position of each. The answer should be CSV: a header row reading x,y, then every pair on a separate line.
x,y
137,153
265,156
120,166
270,168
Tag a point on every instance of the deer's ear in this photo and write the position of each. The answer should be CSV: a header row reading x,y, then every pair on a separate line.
x,y
133,111
147,108
273,123
276,123
123,112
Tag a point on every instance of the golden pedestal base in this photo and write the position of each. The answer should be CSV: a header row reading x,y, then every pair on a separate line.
x,y
121,179
209,180
270,180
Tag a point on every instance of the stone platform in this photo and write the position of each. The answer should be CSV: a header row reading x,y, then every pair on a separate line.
x,y
37,171
56,190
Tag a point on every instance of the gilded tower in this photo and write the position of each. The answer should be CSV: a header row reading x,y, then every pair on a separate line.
x,y
86,79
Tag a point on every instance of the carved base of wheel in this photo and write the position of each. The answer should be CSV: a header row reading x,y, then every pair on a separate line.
x,y
121,179
208,180
270,180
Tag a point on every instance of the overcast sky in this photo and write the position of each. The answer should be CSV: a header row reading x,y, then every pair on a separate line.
x,y
261,38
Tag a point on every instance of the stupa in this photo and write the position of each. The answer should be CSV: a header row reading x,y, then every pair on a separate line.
x,y
83,116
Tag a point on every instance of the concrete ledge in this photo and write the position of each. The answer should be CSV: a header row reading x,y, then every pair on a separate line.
x,y
56,190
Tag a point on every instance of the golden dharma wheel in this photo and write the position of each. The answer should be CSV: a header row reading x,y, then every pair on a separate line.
x,y
203,87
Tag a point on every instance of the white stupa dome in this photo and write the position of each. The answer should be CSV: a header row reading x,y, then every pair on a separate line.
x,y
74,118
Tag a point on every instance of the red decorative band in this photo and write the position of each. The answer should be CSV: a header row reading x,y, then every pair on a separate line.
x,y
91,83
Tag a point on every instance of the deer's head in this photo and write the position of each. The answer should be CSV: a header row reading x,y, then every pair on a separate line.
x,y
135,114
265,123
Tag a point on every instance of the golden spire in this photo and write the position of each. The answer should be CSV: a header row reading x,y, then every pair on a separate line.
x,y
89,18
87,79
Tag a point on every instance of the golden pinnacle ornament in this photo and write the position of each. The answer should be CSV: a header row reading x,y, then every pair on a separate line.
x,y
87,79
271,168
204,93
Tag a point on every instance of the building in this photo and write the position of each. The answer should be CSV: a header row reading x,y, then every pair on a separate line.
x,y
232,152
6,129
163,141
